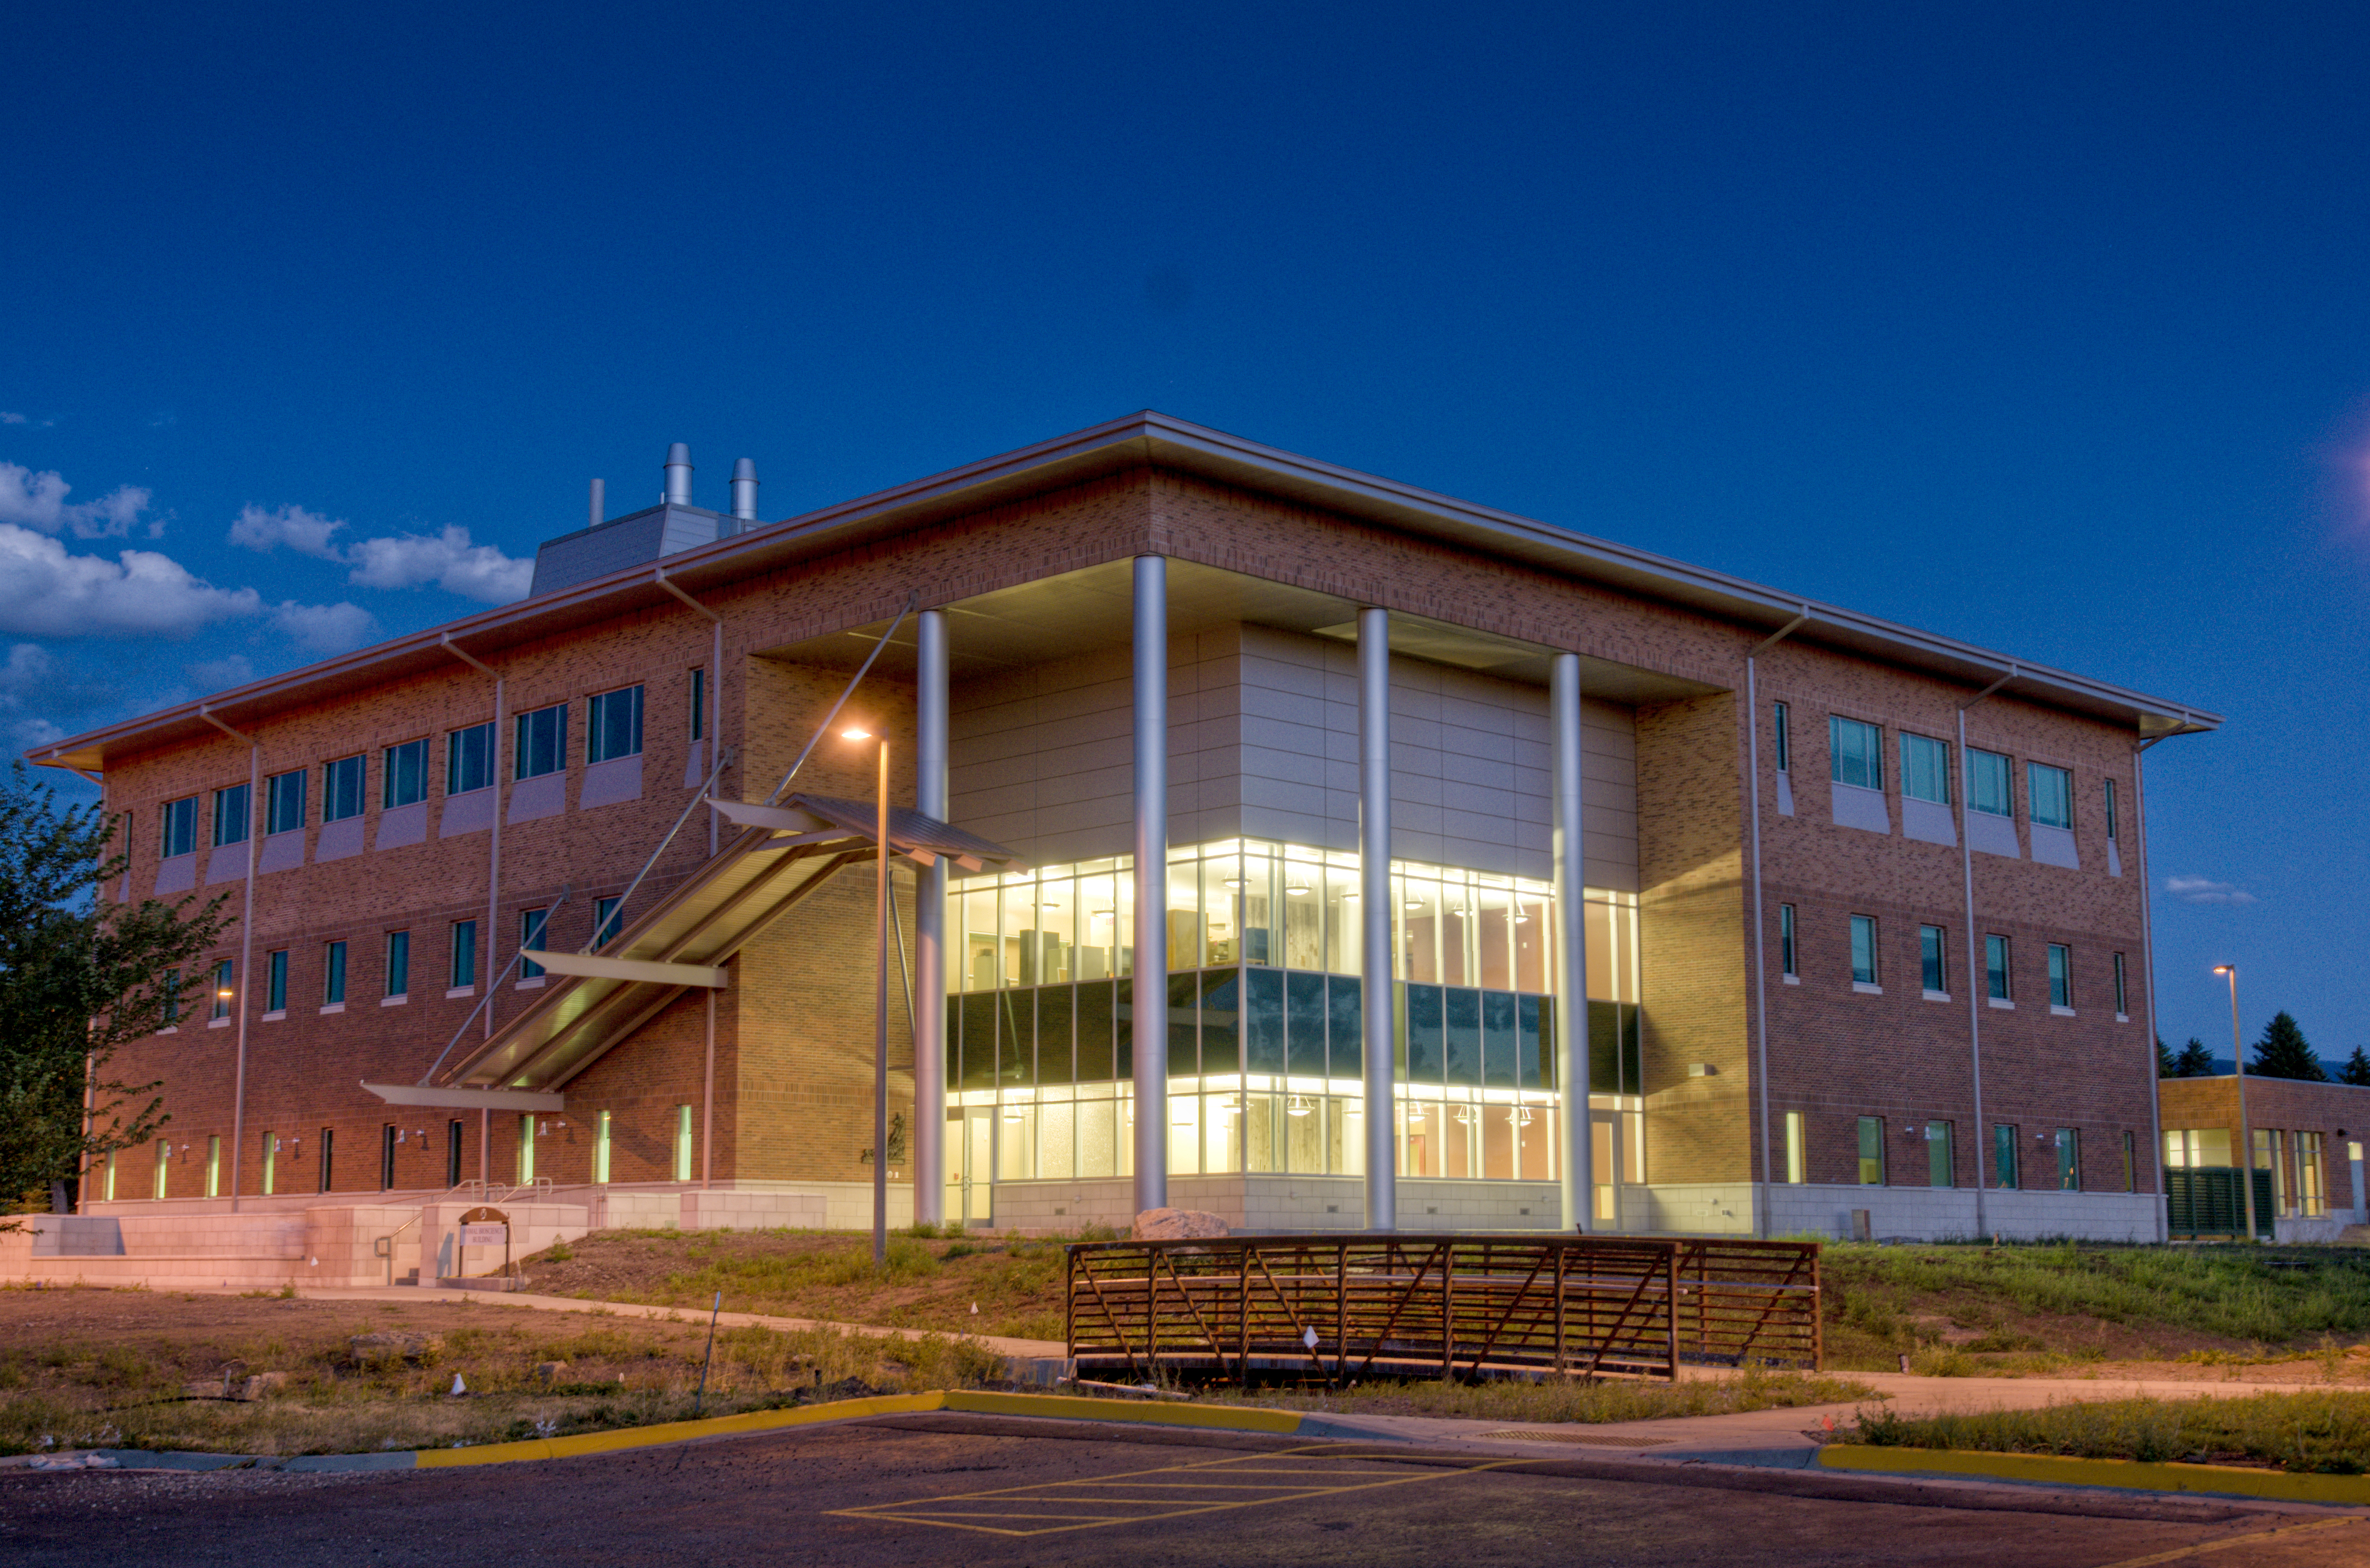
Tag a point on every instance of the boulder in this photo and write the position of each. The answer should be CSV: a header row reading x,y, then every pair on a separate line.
x,y
1177,1225
393,1344
260,1384
550,1372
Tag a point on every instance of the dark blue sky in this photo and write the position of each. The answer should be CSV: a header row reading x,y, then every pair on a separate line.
x,y
2046,327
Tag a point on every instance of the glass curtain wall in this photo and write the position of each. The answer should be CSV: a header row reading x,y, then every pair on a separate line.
x,y
1264,1017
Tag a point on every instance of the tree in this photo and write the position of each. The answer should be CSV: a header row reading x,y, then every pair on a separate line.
x,y
2356,1069
2282,1053
80,975
2194,1061
2164,1064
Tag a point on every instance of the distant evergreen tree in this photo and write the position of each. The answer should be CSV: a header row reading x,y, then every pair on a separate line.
x,y
2282,1052
2164,1064
2194,1061
2356,1069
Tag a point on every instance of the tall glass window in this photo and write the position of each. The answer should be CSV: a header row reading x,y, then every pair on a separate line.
x,y
2070,1159
1990,788
1797,1155
614,725
531,925
180,820
1925,769
469,759
608,920
1863,950
333,974
2003,1156
284,808
1940,1170
1933,959
465,954
1786,962
275,982
2061,975
398,963
543,741
1871,1151
1856,752
683,1143
1996,972
2122,998
1785,744
341,788
404,775
698,704
225,973
2113,824
234,816
2048,794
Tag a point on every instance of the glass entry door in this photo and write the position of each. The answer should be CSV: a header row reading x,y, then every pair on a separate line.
x,y
971,1165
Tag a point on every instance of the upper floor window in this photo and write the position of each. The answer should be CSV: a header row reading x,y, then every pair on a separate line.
x,y
469,759
1863,950
406,775
180,818
2048,794
1990,788
543,741
614,725
1784,747
1933,959
341,789
2061,975
2123,997
699,713
234,816
2113,825
1786,940
284,802
1925,769
1856,753
1996,972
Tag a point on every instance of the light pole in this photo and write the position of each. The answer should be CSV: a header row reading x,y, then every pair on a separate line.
x,y
2246,1132
880,1003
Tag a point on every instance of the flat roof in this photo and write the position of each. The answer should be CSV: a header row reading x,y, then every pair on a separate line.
x,y
1140,440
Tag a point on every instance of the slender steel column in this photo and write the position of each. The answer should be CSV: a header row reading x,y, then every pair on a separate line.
x,y
1151,977
930,707
1374,915
1572,948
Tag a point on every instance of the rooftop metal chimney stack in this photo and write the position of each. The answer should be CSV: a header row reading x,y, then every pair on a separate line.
x,y
744,489
678,475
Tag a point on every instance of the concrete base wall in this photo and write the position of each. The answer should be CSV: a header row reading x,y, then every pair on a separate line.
x,y
1943,1214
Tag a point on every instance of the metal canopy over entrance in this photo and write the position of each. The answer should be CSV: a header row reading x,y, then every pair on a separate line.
x,y
782,854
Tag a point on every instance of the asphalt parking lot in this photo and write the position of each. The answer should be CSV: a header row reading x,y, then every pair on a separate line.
x,y
989,1490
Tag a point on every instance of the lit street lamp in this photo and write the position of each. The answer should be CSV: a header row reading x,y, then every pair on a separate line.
x,y
2246,1131
879,1004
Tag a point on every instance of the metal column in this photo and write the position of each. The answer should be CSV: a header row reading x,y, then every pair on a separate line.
x,y
1150,1031
1571,948
1375,915
930,707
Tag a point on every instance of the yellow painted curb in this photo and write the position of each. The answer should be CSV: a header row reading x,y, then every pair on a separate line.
x,y
2140,1475
1073,1407
676,1431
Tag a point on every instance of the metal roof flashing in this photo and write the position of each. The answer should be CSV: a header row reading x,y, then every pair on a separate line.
x,y
1139,440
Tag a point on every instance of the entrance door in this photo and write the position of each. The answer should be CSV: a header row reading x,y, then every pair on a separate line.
x,y
971,1165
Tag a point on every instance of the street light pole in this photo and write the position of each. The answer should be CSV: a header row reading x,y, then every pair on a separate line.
x,y
2246,1130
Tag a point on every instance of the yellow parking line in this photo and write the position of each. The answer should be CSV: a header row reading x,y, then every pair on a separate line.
x,y
947,1512
2226,1542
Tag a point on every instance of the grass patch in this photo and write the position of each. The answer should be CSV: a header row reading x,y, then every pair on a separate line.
x,y
1559,1400
2312,1431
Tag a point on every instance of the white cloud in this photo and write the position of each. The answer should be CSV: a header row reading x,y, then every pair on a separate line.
x,y
217,674
30,668
325,628
447,559
307,533
2203,890
14,419
44,591
29,734
38,501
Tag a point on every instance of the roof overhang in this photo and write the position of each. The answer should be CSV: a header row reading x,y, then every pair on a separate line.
x,y
1138,440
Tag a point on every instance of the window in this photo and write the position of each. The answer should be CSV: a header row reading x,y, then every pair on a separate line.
x,y
328,1157
171,994
1932,959
398,963
1990,788
2048,794
111,1156
452,1155
1786,964
543,741
1855,752
613,725
341,789
1785,746
275,983
469,759
683,1143
1863,950
333,975
2061,975
224,974
1871,1151
1939,1170
601,1147
387,1157
2070,1159
1797,1158
271,1151
2310,1199
526,1150
2122,998
2113,823
607,920
284,802
1996,968
531,923
234,817
2003,1156
699,712
2131,1163
214,1165
465,954
180,819
1925,769
163,1169
405,777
